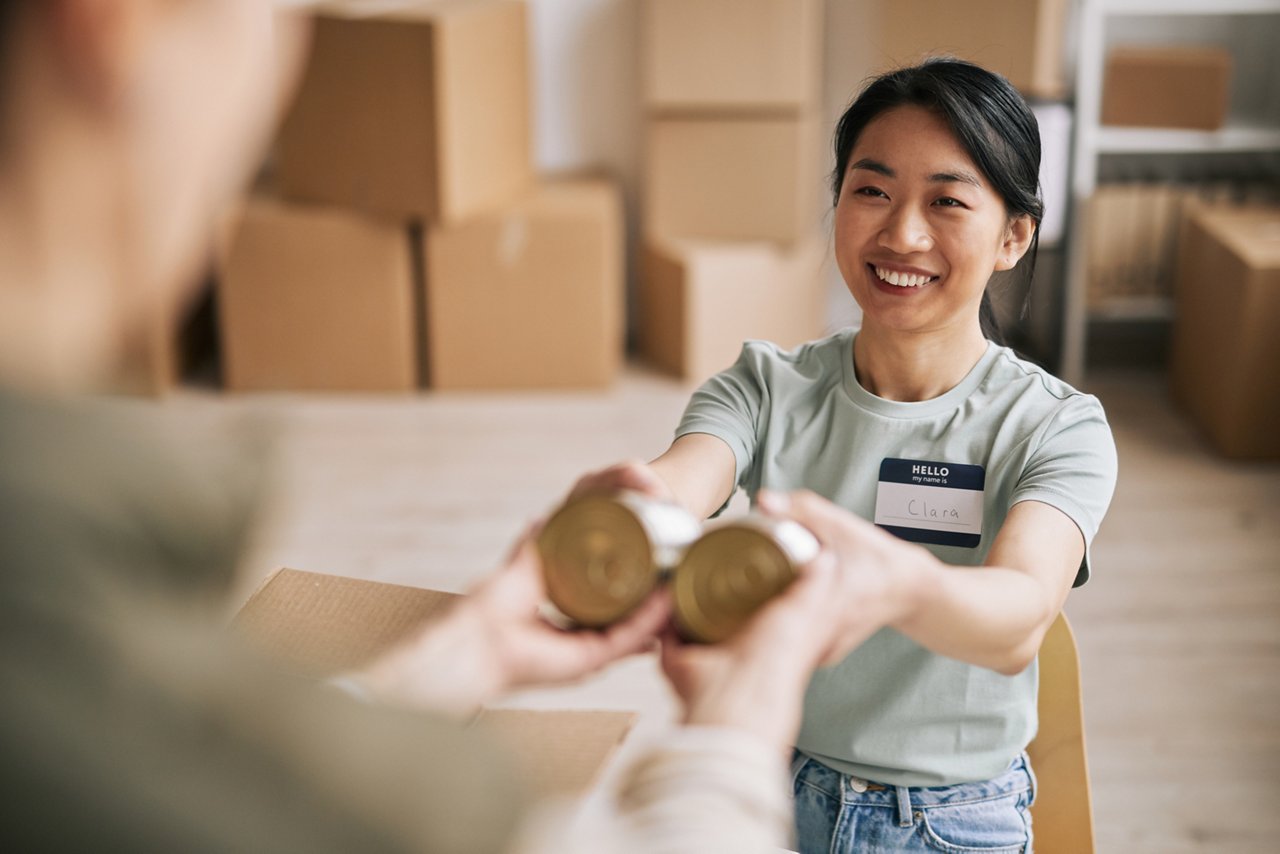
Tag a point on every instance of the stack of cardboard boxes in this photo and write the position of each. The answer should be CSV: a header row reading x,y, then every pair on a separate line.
x,y
733,179
1020,39
407,240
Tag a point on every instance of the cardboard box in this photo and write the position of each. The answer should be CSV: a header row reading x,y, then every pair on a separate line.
x,y
739,55
531,297
320,625
1021,39
1226,335
734,178
313,298
700,300
1172,87
412,109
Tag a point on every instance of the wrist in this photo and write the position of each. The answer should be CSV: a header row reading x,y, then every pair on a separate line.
x,y
451,666
916,583
765,709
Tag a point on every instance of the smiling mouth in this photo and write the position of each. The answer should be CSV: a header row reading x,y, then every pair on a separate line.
x,y
901,280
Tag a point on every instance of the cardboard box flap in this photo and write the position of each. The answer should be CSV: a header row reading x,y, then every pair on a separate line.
x,y
561,752
319,625
322,624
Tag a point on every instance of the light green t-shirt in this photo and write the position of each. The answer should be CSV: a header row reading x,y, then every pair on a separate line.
x,y
893,712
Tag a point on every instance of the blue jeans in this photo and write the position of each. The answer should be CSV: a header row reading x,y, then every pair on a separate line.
x,y
834,817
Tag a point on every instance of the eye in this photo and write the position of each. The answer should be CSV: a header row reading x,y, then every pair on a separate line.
x,y
874,192
949,202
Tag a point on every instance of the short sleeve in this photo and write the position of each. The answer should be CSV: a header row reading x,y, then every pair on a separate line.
x,y
731,404
1073,468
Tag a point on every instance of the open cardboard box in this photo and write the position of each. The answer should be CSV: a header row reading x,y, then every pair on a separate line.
x,y
320,625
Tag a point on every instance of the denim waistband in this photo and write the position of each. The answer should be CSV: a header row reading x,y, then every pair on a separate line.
x,y
1017,778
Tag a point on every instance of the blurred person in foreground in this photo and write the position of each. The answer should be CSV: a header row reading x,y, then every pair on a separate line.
x,y
130,718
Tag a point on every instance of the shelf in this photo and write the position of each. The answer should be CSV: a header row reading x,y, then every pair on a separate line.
x,y
1121,309
1189,7
1127,140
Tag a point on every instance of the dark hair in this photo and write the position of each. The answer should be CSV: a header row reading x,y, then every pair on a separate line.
x,y
989,118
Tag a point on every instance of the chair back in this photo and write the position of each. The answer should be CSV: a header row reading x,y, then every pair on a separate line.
x,y
1062,816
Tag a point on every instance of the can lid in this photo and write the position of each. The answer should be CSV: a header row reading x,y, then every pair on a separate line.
x,y
597,560
724,579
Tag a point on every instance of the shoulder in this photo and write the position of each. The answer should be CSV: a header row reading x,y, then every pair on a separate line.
x,y
1045,415
1043,395
809,361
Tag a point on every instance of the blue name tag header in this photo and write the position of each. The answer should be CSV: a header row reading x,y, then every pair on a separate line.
x,y
932,473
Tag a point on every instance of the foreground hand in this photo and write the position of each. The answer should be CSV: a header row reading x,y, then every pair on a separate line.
x,y
494,640
530,651
755,680
874,584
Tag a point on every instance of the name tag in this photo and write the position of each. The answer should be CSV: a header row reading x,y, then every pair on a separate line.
x,y
924,501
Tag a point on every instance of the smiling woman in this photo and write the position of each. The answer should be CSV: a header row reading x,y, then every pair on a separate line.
x,y
985,477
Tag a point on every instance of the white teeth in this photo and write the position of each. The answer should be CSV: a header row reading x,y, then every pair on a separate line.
x,y
902,280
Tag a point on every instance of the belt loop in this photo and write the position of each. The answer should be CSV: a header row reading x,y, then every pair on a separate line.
x,y
1031,777
904,806
798,761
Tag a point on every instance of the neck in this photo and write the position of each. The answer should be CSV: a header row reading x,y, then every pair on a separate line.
x,y
911,367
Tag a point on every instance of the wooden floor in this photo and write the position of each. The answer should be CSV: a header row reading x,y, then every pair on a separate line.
x,y
1179,628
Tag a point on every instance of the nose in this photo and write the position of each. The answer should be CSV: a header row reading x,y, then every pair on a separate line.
x,y
905,231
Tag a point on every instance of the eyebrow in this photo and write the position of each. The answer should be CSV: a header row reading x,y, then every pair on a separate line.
x,y
879,168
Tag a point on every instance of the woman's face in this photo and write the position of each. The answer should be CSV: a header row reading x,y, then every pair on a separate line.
x,y
918,228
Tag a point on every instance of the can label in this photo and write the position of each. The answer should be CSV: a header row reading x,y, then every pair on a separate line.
x,y
734,569
603,554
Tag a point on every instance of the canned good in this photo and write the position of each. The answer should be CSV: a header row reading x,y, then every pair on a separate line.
x,y
603,554
728,574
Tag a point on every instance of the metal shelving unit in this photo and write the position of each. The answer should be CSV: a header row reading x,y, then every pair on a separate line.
x,y
1094,141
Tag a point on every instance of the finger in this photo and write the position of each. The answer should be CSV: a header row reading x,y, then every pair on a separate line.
x,y
635,632
827,521
678,657
601,480
798,609
640,477
528,537
633,475
584,651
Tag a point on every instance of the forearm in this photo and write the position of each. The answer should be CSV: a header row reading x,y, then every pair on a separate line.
x,y
698,469
708,789
701,791
990,616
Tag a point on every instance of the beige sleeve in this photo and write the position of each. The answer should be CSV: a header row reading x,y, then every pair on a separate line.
x,y
705,790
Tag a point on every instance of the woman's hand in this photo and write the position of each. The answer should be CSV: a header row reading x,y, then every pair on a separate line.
x,y
494,640
697,472
633,475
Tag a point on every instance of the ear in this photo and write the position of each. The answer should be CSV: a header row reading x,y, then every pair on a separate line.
x,y
97,43
1017,240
